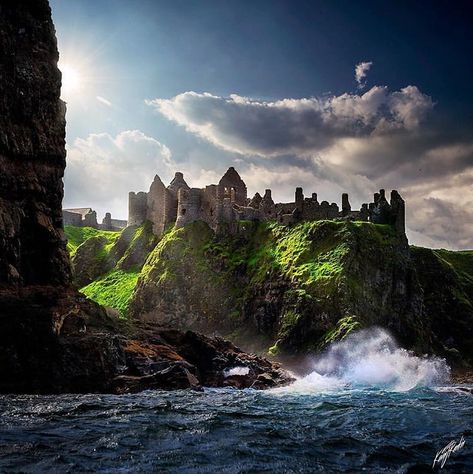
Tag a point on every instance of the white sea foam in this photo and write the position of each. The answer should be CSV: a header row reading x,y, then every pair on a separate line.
x,y
239,370
370,359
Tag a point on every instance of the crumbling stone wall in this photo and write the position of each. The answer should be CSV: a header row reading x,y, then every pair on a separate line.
x,y
137,208
222,206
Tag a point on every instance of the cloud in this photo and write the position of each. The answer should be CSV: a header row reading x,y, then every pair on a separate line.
x,y
102,169
361,70
354,143
104,101
294,126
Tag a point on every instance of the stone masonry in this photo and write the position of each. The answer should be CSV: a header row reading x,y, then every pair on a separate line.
x,y
87,217
222,206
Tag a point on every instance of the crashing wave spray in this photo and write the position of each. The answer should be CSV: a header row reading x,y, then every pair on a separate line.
x,y
371,358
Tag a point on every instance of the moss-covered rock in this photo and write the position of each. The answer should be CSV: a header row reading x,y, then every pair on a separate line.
x,y
179,287
293,289
289,289
76,236
106,264
446,278
92,258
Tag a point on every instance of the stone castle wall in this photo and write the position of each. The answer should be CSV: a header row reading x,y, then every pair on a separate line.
x,y
225,204
87,217
137,208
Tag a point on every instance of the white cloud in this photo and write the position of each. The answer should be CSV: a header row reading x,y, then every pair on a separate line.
x,y
361,70
104,101
294,126
102,169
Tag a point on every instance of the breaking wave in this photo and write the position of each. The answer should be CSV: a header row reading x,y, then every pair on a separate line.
x,y
370,359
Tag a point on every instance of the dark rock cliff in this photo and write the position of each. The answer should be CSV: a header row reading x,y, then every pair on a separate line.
x,y
32,153
287,289
294,290
51,338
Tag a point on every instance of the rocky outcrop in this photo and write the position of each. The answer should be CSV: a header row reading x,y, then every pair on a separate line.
x,y
179,288
171,359
285,289
294,290
58,342
52,339
32,153
446,278
103,251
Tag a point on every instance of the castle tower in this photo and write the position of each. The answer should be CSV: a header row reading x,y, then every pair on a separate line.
x,y
346,206
188,207
137,208
398,211
299,200
267,205
230,185
107,221
158,197
381,211
171,201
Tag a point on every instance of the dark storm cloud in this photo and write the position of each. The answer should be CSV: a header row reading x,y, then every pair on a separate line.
x,y
294,126
357,143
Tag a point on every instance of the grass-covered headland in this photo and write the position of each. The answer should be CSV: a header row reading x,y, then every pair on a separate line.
x,y
283,289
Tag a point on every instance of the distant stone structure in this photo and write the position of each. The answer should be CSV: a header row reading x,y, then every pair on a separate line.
x,y
87,217
224,204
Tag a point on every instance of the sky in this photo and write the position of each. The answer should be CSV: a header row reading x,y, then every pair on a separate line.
x,y
333,96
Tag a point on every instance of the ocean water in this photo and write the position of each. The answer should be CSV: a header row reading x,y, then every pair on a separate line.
x,y
366,407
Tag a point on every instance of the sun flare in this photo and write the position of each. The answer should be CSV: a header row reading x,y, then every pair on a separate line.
x,y
71,80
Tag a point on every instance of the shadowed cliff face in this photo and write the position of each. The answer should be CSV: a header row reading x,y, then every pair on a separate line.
x,y
291,290
32,148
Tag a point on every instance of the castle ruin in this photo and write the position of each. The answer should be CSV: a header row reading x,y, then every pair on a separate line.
x,y
222,206
87,217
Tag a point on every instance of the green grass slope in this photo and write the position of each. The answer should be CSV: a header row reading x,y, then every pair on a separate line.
x,y
76,236
290,289
106,264
114,289
284,290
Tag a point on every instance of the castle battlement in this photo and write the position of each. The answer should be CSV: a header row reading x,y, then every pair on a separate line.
x,y
224,204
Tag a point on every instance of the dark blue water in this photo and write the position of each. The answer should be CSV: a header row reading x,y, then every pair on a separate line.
x,y
231,431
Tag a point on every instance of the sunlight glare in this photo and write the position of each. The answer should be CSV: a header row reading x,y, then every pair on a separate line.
x,y
71,81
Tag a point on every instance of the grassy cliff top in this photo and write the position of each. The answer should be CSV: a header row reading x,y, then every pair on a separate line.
x,y
76,236
290,289
107,264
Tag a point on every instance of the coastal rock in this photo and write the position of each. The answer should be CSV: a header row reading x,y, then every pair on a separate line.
x,y
32,148
287,289
57,341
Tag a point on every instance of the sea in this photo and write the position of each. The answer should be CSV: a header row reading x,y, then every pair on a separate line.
x,y
366,406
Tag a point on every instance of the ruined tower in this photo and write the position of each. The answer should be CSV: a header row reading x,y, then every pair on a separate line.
x,y
224,205
233,187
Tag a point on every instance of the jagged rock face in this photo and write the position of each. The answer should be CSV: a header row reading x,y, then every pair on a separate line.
x,y
178,288
447,281
63,343
32,148
294,289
